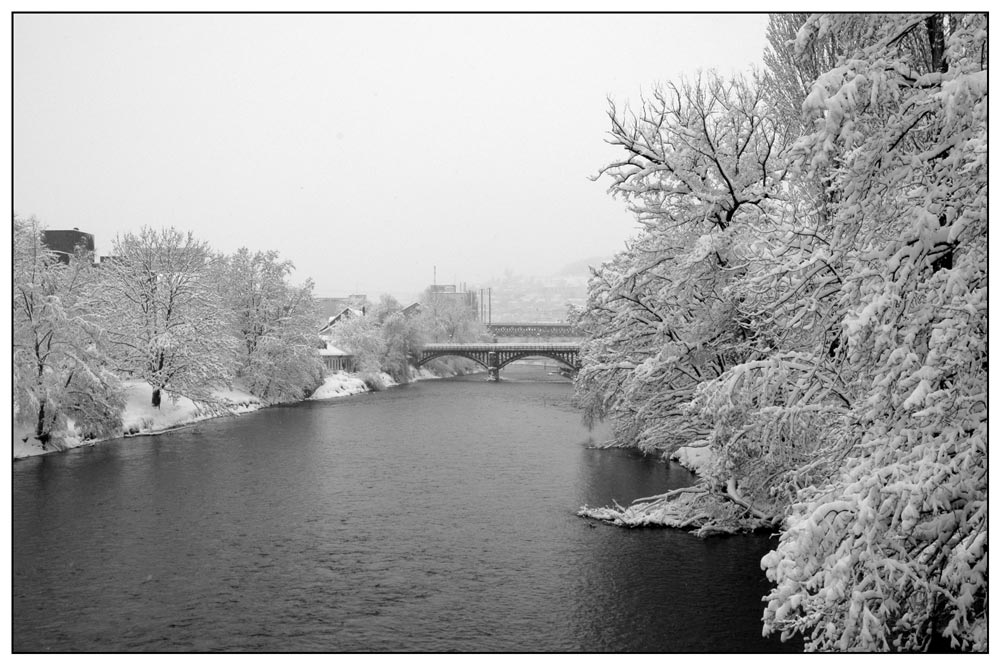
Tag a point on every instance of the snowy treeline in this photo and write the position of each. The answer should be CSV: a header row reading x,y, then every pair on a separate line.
x,y
165,309
386,339
808,299
380,342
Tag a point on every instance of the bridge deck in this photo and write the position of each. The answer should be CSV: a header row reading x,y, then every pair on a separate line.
x,y
504,346
522,329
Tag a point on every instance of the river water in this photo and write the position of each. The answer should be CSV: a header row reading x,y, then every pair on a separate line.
x,y
432,517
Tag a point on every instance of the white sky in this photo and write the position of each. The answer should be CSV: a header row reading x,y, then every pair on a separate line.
x,y
365,148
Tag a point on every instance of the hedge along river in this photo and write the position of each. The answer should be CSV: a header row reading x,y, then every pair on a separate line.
x,y
437,516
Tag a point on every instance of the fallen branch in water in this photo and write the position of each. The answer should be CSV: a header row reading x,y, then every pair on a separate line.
x,y
609,444
697,508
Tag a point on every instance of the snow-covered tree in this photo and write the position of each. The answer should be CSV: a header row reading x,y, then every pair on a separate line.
x,y
59,362
387,306
274,323
890,553
793,67
853,413
702,165
447,318
382,341
362,337
166,319
402,337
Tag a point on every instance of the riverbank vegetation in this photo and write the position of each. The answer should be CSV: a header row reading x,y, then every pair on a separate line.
x,y
165,311
212,332
807,298
384,341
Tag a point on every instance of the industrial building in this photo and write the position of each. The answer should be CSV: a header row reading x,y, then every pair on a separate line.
x,y
65,243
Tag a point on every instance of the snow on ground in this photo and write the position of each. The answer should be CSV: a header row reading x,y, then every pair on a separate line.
x,y
141,417
339,385
24,445
422,374
695,459
342,384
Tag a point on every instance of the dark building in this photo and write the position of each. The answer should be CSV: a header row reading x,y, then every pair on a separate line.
x,y
66,243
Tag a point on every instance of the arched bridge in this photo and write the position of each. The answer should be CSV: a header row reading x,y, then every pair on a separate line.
x,y
495,357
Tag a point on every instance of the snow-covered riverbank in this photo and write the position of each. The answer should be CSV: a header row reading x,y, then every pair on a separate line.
x,y
695,459
666,510
141,418
694,508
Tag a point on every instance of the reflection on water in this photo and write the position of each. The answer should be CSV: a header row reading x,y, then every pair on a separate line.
x,y
437,516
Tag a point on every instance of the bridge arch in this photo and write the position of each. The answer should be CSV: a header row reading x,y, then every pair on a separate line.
x,y
427,356
514,357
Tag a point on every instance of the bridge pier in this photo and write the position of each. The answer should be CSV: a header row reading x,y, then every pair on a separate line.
x,y
493,366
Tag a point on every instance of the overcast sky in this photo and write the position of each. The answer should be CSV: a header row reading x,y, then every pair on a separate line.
x,y
365,148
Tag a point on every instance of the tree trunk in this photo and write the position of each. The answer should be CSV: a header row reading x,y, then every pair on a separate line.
x,y
935,34
40,432
156,397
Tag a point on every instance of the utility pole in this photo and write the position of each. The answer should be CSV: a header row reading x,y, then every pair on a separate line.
x,y
490,290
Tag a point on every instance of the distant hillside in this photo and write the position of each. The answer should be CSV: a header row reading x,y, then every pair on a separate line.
x,y
582,267
542,298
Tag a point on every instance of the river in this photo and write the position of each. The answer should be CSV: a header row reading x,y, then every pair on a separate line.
x,y
438,516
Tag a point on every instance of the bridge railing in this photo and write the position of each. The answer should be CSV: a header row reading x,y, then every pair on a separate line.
x,y
532,330
502,346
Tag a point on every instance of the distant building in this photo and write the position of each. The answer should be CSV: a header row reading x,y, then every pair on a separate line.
x,y
336,360
449,292
327,307
410,310
66,243
345,314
